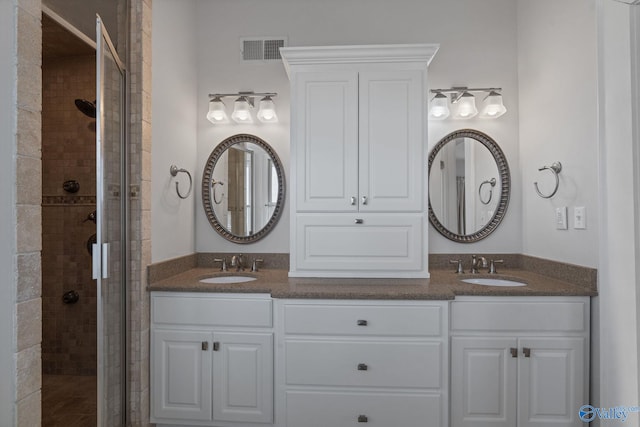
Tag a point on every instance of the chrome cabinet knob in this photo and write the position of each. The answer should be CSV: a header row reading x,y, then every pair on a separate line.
x,y
362,367
363,419
362,322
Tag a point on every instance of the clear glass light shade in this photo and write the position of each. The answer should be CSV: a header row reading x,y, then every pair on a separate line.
x,y
492,106
217,112
439,109
242,111
267,112
465,106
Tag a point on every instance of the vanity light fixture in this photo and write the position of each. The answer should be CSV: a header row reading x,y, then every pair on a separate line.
x,y
439,109
242,106
492,106
217,111
463,104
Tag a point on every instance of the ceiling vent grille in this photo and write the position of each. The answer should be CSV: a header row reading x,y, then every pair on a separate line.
x,y
262,48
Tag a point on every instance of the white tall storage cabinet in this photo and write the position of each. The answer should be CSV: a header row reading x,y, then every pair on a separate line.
x,y
358,169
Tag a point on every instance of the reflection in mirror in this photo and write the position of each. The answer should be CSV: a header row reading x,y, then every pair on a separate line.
x,y
469,186
243,188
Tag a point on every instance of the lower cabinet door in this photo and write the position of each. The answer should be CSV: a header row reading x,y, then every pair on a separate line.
x,y
551,386
483,382
243,377
346,409
181,375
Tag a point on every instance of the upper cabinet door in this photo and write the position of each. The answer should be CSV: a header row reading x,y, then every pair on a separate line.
x,y
392,156
326,141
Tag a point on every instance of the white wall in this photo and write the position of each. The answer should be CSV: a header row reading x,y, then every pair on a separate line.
x,y
474,52
620,194
7,206
557,57
174,128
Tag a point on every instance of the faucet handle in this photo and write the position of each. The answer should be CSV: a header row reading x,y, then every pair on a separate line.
x,y
459,269
223,263
254,264
492,265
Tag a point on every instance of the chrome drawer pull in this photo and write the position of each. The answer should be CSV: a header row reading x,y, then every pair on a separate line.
x,y
362,323
526,351
364,200
362,367
359,221
353,201
205,346
363,419
514,352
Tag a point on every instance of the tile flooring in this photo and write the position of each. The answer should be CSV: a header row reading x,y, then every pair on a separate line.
x,y
69,401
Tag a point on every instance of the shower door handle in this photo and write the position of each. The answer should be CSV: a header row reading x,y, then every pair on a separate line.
x,y
100,261
105,260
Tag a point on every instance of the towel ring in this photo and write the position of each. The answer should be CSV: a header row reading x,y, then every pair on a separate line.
x,y
173,170
556,167
213,190
491,182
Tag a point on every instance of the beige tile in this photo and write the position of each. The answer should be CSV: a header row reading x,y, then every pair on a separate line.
x,y
29,411
29,228
29,180
29,318
29,276
29,372
32,7
30,33
29,133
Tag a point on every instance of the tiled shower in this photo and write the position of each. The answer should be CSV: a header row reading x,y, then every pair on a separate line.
x,y
68,153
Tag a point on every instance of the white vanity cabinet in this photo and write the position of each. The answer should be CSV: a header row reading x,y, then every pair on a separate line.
x,y
211,359
519,362
358,149
344,363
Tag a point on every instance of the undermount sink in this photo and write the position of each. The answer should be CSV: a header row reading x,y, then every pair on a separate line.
x,y
228,279
493,282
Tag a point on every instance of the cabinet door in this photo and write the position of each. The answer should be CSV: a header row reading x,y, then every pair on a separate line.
x,y
551,382
243,377
181,375
325,141
483,382
392,145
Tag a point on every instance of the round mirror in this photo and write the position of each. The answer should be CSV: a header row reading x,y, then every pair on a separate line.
x,y
243,188
469,186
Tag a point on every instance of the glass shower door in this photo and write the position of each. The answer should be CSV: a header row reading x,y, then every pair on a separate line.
x,y
110,255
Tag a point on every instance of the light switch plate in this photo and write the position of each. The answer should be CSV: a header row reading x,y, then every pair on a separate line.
x,y
561,218
579,218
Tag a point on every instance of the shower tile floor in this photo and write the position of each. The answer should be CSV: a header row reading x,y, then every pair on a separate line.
x,y
69,401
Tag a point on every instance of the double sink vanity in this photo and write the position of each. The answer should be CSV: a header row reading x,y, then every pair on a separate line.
x,y
359,326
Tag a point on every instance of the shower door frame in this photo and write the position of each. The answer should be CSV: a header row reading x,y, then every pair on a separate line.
x,y
101,260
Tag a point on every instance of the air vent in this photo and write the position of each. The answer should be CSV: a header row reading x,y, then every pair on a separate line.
x,y
262,48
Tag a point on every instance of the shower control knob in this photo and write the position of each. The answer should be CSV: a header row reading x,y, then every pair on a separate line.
x,y
71,186
70,297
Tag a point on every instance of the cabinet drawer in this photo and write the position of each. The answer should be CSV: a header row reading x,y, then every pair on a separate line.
x,y
393,320
365,363
197,309
518,315
381,242
334,409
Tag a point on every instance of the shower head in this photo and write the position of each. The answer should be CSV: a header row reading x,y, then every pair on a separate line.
x,y
87,108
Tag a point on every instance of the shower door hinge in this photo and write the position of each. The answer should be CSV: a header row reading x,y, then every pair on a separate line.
x,y
100,261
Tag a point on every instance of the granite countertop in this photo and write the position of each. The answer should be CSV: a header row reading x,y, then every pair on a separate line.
x,y
443,285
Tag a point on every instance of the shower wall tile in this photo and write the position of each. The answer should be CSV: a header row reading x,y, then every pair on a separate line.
x,y
29,319
29,371
68,148
29,133
29,168
29,276
29,410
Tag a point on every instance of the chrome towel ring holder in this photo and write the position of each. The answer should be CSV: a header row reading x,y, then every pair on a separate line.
x,y
555,168
492,183
213,190
173,170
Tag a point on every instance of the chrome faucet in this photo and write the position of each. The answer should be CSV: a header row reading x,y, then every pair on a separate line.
x,y
477,262
238,262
